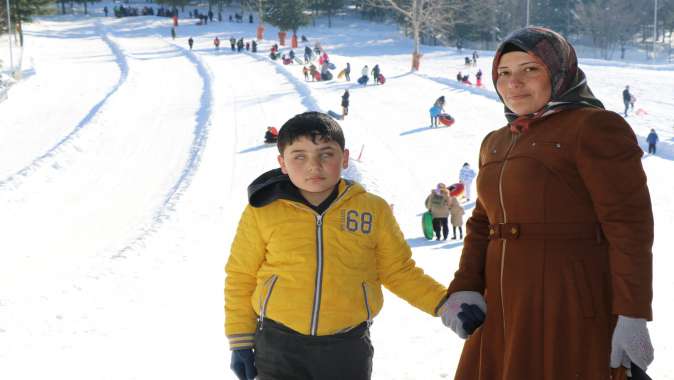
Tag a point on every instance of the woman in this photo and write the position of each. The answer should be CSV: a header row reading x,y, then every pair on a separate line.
x,y
437,203
558,248
437,109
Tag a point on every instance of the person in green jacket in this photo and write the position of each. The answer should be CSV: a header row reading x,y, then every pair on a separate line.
x,y
307,265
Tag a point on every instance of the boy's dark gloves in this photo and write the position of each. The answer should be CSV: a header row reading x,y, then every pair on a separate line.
x,y
459,306
471,316
243,364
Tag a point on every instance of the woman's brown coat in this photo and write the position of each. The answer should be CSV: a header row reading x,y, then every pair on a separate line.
x,y
569,214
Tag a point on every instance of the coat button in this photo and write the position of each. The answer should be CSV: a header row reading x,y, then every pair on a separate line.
x,y
558,145
533,144
513,231
493,151
491,232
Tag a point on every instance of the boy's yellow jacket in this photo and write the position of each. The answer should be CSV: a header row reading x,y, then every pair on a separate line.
x,y
318,274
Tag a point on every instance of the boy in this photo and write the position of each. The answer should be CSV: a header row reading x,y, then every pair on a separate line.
x,y
307,264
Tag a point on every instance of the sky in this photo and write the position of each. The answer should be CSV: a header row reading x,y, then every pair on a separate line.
x,y
124,162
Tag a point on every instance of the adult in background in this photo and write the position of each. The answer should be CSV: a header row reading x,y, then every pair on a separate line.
x,y
558,247
627,98
466,176
436,110
190,42
375,74
345,103
652,140
437,203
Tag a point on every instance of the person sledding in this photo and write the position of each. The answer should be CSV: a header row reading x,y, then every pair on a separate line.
x,y
478,78
466,80
437,110
216,43
325,71
459,77
286,60
364,76
271,135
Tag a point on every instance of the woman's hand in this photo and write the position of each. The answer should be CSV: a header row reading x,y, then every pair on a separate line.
x,y
631,343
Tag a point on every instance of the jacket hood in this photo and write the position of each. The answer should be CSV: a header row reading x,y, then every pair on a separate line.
x,y
274,185
568,82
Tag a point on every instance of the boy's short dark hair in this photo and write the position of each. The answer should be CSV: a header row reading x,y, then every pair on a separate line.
x,y
313,125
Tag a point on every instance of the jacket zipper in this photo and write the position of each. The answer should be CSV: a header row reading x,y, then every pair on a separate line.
x,y
513,141
367,303
318,285
263,308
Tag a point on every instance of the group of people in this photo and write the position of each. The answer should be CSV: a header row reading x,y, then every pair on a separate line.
x,y
555,274
377,76
441,204
465,78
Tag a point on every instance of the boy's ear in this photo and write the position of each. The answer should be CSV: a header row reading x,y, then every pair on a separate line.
x,y
282,164
345,159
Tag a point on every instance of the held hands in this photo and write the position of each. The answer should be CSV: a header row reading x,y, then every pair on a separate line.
x,y
631,343
243,364
463,312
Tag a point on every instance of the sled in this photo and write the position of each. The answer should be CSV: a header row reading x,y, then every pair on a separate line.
x,y
331,66
317,76
363,80
341,74
326,75
456,189
299,61
427,225
381,79
446,120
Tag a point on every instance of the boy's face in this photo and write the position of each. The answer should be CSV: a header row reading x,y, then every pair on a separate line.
x,y
314,168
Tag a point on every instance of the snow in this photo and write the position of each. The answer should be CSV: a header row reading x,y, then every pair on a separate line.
x,y
124,161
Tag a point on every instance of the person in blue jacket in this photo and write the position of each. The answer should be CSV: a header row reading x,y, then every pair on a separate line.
x,y
652,140
436,110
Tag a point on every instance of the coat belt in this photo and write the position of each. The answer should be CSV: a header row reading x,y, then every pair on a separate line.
x,y
543,231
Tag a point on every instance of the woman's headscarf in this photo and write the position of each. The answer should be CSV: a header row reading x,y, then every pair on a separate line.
x,y
568,83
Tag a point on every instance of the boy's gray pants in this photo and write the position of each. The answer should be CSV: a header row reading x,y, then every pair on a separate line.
x,y
284,354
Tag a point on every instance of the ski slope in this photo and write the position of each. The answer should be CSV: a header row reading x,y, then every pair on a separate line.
x,y
124,162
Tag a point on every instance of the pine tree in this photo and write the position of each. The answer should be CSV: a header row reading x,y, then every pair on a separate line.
x,y
286,14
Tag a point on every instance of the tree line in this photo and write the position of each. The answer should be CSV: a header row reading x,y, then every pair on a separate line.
x,y
604,24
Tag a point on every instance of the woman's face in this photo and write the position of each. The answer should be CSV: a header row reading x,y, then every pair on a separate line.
x,y
523,83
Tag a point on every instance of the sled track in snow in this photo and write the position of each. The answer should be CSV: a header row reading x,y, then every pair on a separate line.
x,y
308,99
38,162
198,143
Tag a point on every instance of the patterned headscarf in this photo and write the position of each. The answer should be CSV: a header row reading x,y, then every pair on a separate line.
x,y
568,82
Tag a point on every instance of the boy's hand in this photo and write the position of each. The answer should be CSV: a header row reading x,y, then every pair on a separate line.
x,y
631,343
243,364
463,312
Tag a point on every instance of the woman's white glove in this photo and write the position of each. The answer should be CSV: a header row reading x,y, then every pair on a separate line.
x,y
450,310
631,343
